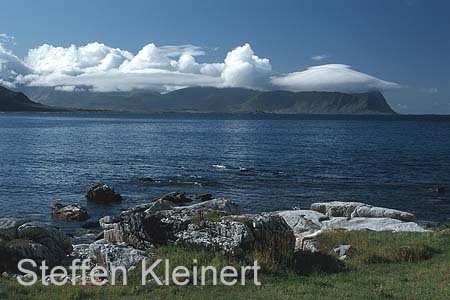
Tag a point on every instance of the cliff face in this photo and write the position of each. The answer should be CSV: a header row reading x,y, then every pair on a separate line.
x,y
217,100
319,103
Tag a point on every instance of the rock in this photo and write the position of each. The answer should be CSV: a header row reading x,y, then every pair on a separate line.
x,y
108,221
440,189
158,222
203,197
176,198
303,220
146,180
336,208
71,212
84,239
8,227
374,224
80,251
56,241
358,209
303,223
369,211
91,225
108,255
34,240
342,251
102,193
234,235
219,205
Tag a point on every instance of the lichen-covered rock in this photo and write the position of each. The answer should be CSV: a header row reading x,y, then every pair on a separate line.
x,y
373,224
158,222
233,235
358,209
108,255
368,211
336,208
71,212
102,193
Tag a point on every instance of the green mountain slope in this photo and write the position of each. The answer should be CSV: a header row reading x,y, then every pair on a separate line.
x,y
219,100
16,101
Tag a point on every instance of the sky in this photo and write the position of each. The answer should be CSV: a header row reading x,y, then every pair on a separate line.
x,y
400,47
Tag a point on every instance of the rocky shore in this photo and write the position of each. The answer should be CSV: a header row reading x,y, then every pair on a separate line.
x,y
216,225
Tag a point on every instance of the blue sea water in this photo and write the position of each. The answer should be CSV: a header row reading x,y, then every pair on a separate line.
x,y
262,162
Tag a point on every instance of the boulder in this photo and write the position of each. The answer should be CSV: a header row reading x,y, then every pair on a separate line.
x,y
159,222
303,220
34,240
108,255
8,227
71,212
358,209
176,198
234,235
374,224
369,211
336,208
57,242
303,223
342,251
102,193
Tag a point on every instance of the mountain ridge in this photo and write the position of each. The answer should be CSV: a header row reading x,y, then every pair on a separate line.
x,y
218,100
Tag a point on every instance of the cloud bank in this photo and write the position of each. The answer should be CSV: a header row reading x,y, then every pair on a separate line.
x,y
99,67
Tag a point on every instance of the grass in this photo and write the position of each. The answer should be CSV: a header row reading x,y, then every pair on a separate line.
x,y
380,266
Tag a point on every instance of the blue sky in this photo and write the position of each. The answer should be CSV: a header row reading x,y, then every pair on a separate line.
x,y
406,43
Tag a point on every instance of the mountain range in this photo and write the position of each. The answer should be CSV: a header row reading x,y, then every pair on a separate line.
x,y
207,100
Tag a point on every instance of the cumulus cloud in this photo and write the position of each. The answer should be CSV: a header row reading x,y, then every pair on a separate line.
x,y
332,78
99,67
244,69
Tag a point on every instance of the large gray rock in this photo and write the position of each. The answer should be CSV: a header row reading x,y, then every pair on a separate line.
x,y
358,209
8,227
109,255
369,211
34,240
233,235
303,223
303,220
102,193
70,212
336,208
158,222
374,224
55,240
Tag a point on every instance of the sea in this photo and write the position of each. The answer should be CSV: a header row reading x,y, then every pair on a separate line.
x,y
263,162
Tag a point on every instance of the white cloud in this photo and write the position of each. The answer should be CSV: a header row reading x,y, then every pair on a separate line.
x,y
165,68
333,78
244,69
320,57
